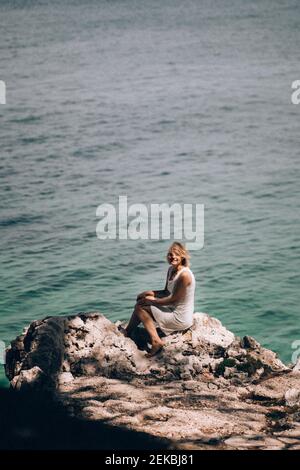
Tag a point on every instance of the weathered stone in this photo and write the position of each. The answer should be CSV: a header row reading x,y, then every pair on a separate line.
x,y
203,387
29,379
228,372
210,330
76,323
65,378
249,343
42,346
292,396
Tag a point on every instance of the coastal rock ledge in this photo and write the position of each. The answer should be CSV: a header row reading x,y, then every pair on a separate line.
x,y
207,388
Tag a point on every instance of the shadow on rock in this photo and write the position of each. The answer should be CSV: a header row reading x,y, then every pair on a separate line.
x,y
34,421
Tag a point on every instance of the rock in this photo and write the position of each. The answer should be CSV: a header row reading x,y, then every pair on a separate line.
x,y
228,372
89,344
249,343
254,442
210,330
236,353
292,396
190,385
242,442
201,389
76,323
35,421
65,366
42,346
33,378
65,378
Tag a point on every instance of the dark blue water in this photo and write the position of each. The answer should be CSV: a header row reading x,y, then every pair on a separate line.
x,y
163,102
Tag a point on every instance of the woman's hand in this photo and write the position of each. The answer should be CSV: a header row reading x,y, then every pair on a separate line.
x,y
144,294
148,300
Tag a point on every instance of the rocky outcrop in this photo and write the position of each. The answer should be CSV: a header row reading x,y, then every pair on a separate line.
x,y
207,388
34,358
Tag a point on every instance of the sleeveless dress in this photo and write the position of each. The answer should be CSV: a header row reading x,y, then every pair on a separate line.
x,y
180,316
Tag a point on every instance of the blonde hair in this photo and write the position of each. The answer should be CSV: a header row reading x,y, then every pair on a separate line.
x,y
181,250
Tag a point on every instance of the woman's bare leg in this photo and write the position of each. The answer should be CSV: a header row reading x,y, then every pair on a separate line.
x,y
144,314
133,322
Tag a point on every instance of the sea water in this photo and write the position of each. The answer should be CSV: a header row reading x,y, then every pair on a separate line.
x,y
163,102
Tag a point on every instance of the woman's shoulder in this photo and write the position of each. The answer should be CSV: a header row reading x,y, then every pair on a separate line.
x,y
187,269
186,275
190,272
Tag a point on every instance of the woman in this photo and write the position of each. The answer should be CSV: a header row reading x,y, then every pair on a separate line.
x,y
171,308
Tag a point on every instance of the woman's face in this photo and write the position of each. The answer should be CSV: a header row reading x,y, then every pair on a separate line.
x,y
174,259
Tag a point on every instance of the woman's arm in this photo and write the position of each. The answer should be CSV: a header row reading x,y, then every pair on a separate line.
x,y
146,293
178,293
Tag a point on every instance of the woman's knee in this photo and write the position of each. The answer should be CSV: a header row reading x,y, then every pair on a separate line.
x,y
143,311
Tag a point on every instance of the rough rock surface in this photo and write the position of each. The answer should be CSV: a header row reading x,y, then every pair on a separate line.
x,y
206,389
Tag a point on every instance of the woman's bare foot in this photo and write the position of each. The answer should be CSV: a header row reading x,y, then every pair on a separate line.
x,y
156,348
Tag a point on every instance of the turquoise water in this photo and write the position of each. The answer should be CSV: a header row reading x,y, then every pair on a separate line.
x,y
163,102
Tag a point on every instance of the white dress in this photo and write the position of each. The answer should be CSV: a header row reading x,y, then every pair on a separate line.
x,y
180,316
